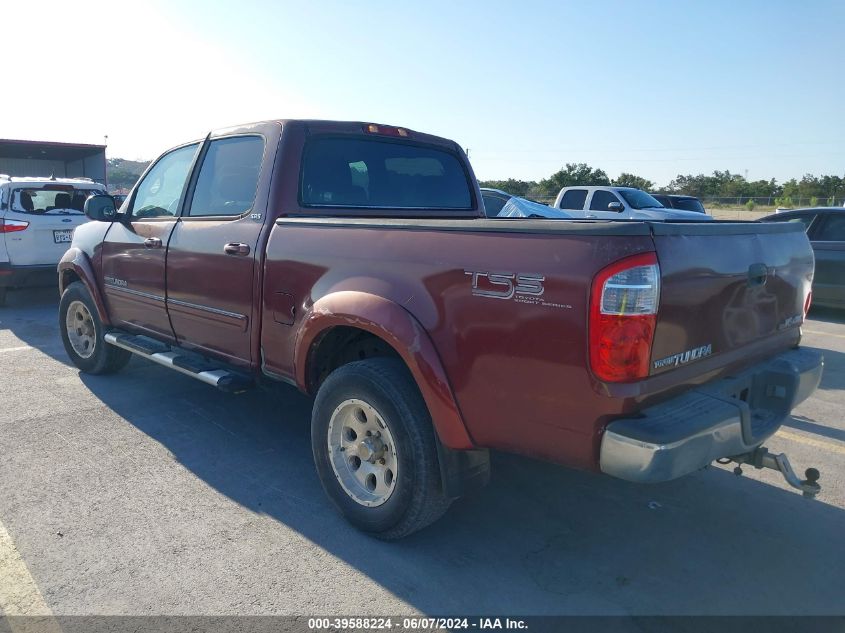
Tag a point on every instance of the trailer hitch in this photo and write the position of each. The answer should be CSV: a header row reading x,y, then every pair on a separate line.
x,y
761,458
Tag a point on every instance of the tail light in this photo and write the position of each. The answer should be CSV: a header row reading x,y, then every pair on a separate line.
x,y
623,314
807,303
12,226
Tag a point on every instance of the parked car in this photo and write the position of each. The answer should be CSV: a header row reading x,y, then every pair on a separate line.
x,y
501,204
825,228
618,203
37,219
494,200
428,333
684,203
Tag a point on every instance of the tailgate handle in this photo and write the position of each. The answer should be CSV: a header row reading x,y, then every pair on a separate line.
x,y
757,275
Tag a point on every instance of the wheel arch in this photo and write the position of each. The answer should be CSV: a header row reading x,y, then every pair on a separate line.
x,y
75,266
376,319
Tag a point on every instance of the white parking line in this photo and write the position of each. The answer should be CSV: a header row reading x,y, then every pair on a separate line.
x,y
16,349
19,595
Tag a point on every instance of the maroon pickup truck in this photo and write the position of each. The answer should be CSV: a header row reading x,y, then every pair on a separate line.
x,y
354,261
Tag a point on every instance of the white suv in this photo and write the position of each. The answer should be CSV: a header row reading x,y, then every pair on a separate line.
x,y
37,219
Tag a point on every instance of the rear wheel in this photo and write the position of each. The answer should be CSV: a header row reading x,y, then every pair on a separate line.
x,y
82,334
374,449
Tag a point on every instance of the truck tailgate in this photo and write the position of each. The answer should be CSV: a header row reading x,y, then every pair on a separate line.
x,y
726,286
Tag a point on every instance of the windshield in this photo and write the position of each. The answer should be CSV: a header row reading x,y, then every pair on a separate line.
x,y
639,199
51,199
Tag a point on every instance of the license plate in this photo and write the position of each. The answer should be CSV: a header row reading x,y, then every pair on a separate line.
x,y
65,235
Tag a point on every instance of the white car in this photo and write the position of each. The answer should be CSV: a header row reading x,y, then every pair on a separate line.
x,y
618,203
37,219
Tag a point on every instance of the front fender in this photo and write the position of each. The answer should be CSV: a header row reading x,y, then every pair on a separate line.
x,y
77,262
398,327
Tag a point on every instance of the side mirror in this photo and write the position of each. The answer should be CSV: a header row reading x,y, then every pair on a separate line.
x,y
101,208
615,206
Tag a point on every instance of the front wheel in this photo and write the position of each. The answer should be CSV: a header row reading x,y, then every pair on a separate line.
x,y
374,449
82,333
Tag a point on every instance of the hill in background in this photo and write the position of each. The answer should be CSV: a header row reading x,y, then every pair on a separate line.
x,y
124,173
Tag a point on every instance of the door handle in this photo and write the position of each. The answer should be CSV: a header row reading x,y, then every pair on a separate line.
x,y
590,215
236,248
152,242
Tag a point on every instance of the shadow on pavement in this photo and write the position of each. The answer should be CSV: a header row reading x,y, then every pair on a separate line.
x,y
540,539
828,315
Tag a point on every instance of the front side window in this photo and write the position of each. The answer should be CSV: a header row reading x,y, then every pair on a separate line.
x,y
51,199
363,172
574,199
159,192
637,199
601,199
228,178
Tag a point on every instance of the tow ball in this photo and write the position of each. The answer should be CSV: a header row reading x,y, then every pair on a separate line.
x,y
762,458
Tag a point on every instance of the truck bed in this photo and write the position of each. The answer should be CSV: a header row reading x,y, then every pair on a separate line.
x,y
519,367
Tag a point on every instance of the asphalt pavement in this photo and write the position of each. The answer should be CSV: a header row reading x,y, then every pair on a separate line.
x,y
148,492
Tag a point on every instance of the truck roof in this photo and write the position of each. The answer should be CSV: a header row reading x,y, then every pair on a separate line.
x,y
322,126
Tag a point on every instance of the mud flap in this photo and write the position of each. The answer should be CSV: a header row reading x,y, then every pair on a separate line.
x,y
462,471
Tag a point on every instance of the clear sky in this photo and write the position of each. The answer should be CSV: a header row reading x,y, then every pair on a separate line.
x,y
653,88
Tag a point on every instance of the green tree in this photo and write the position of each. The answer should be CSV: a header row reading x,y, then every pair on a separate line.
x,y
630,180
514,187
570,176
750,205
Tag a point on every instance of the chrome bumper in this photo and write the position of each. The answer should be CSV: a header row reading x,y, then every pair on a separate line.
x,y
724,418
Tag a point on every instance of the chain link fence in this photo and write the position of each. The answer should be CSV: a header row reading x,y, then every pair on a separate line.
x,y
791,202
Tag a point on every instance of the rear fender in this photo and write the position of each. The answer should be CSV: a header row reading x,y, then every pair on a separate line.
x,y
405,335
77,262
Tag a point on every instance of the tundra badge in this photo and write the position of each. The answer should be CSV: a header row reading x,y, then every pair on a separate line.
x,y
684,357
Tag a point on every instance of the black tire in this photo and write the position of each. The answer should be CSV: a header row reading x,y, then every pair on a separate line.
x,y
3,290
417,499
106,359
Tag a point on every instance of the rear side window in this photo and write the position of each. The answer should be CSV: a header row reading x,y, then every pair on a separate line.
x,y
833,230
687,204
359,172
228,177
601,199
574,199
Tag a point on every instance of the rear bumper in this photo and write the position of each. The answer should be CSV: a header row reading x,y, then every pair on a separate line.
x,y
724,418
16,276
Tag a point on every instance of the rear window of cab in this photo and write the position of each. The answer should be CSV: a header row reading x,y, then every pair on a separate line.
x,y
375,173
